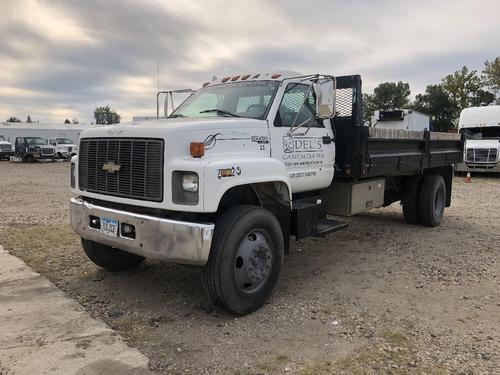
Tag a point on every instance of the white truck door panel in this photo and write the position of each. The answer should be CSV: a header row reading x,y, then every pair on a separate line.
x,y
307,152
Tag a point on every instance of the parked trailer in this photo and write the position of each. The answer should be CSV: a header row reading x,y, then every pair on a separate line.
x,y
238,168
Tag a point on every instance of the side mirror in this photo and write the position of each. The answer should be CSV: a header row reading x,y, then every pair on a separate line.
x,y
325,97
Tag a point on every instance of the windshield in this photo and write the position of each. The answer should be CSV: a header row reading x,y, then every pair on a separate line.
x,y
2,138
241,99
64,141
486,132
35,141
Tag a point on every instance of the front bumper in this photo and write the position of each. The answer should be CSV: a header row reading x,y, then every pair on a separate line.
x,y
477,167
6,154
155,238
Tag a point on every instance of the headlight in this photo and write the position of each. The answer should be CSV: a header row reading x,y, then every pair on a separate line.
x,y
185,186
190,182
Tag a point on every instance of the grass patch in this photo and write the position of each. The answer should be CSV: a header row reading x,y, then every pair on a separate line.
x,y
51,250
394,353
274,363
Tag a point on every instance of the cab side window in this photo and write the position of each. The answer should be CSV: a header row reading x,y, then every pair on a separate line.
x,y
291,107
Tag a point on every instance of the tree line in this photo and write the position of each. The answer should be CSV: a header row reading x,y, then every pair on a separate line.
x,y
103,116
442,102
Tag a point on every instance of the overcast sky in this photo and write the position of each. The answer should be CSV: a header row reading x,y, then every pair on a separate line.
x,y
61,59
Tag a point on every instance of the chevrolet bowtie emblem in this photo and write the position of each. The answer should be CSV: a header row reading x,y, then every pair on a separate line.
x,y
111,167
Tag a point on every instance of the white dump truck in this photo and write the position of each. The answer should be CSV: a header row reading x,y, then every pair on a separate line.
x,y
242,165
6,150
481,129
64,147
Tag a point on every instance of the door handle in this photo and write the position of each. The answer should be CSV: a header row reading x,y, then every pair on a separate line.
x,y
327,140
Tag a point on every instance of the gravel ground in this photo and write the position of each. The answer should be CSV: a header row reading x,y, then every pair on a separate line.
x,y
380,297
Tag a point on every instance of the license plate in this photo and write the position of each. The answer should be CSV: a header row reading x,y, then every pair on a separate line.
x,y
109,226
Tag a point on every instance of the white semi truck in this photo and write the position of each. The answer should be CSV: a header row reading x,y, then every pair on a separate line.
x,y
481,129
243,164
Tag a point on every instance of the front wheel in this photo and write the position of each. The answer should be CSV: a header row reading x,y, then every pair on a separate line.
x,y
110,258
245,259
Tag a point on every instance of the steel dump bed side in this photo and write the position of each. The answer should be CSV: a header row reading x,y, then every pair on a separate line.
x,y
364,152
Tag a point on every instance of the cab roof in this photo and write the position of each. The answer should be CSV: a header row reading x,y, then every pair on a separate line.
x,y
256,76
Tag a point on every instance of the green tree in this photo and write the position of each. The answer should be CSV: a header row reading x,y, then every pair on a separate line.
x,y
386,96
67,121
438,104
466,88
491,76
13,119
106,115
28,119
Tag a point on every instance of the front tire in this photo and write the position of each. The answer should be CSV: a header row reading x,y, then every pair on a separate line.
x,y
432,200
110,258
245,259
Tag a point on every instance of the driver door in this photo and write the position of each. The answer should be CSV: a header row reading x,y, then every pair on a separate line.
x,y
308,151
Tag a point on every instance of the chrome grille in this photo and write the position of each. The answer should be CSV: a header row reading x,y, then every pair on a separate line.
x,y
5,147
140,161
481,155
47,151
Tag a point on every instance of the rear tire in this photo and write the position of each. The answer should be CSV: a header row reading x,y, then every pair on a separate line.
x,y
410,198
245,259
110,258
432,200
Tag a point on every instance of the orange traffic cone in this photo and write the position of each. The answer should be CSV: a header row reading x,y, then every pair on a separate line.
x,y
468,179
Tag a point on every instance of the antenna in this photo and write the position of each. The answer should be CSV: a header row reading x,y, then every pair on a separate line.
x,y
157,75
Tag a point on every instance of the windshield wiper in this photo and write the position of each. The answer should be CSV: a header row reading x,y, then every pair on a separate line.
x,y
175,115
220,112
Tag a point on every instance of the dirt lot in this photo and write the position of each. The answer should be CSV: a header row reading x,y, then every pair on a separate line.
x,y
380,297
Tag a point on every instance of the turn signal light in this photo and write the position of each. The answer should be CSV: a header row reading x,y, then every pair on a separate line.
x,y
197,149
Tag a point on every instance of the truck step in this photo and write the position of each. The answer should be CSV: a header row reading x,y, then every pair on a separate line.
x,y
325,226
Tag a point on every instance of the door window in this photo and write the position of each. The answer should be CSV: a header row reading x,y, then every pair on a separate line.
x,y
291,108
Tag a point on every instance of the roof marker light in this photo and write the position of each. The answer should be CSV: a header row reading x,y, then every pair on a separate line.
x,y
225,79
235,78
274,76
206,84
256,76
245,76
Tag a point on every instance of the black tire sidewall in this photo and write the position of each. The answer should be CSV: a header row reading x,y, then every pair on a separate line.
x,y
110,258
431,187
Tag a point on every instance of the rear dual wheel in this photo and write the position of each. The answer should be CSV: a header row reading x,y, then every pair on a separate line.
x,y
424,200
245,259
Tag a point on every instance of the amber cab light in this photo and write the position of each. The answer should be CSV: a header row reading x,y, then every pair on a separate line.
x,y
197,149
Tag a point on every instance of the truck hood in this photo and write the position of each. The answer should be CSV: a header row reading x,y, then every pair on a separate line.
x,y
483,143
163,127
5,143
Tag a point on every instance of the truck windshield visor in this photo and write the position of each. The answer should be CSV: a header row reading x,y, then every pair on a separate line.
x,y
486,132
239,99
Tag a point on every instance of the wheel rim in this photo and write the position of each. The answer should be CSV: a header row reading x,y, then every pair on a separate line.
x,y
253,261
439,203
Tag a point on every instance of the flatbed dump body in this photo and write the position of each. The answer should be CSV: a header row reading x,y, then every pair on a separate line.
x,y
363,152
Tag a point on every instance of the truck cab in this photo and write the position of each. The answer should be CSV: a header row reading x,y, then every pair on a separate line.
x,y
65,148
6,150
242,165
29,149
481,129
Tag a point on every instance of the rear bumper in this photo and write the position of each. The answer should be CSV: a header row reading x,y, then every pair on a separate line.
x,y
155,238
477,167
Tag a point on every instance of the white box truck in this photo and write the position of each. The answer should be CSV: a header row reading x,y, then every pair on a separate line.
x,y
401,119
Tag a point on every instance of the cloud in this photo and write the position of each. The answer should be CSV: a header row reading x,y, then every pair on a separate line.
x,y
61,55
